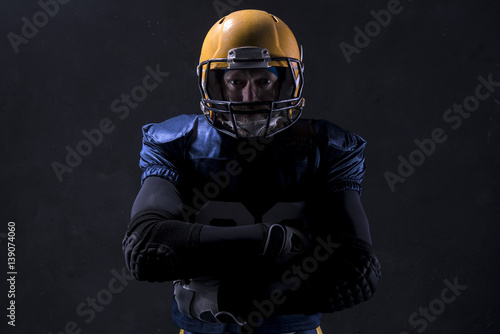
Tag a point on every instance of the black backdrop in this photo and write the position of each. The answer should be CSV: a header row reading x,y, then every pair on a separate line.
x,y
65,68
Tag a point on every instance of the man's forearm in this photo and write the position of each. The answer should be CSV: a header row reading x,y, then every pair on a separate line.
x,y
335,274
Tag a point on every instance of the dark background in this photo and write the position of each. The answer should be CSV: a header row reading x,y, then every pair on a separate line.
x,y
441,224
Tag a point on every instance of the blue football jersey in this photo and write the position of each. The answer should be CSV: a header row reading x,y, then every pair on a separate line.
x,y
225,181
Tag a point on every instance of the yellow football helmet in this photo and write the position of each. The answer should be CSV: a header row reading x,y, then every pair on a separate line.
x,y
246,40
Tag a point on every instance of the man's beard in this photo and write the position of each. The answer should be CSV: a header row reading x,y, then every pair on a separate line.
x,y
253,124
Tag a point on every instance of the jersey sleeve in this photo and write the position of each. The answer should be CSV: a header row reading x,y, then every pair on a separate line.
x,y
162,151
343,160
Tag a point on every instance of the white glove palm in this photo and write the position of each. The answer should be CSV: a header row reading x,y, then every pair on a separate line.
x,y
198,299
284,242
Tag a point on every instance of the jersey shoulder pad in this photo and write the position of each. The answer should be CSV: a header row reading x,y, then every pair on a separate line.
x,y
171,129
338,137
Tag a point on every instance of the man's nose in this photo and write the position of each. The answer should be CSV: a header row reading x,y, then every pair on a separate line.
x,y
250,93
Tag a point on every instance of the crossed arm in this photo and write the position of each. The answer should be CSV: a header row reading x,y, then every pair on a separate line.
x,y
159,246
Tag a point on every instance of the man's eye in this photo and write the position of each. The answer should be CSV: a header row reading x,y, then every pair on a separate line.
x,y
235,82
264,81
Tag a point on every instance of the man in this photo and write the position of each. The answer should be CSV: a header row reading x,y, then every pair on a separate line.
x,y
253,213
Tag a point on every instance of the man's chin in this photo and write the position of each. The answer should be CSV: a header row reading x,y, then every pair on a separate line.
x,y
250,117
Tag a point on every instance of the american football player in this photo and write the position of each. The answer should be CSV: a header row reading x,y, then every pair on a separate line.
x,y
252,211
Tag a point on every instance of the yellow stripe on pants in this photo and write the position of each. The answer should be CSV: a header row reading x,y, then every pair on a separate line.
x,y
318,330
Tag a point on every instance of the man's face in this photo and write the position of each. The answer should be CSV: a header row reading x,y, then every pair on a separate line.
x,y
247,86
256,85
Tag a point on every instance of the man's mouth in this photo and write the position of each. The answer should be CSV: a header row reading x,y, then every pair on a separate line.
x,y
250,117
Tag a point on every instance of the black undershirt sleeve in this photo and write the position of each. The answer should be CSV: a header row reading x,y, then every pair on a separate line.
x,y
339,271
160,246
348,270
347,215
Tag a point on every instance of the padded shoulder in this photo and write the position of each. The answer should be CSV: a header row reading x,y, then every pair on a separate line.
x,y
171,129
338,137
164,145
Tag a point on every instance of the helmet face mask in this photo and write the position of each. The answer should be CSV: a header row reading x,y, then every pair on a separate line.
x,y
235,118
260,117
251,123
